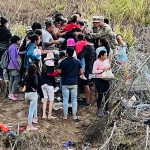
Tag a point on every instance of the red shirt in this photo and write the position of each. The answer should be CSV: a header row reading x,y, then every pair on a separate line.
x,y
71,26
79,46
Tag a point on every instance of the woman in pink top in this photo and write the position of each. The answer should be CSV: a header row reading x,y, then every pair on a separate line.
x,y
102,86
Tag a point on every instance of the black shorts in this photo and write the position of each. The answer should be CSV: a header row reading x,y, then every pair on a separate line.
x,y
102,85
83,82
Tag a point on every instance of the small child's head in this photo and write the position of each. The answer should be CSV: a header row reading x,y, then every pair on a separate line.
x,y
62,55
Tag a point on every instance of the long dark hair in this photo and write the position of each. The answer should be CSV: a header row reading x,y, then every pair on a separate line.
x,y
32,69
33,38
106,44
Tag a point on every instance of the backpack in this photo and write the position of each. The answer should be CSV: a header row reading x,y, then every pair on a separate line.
x,y
4,60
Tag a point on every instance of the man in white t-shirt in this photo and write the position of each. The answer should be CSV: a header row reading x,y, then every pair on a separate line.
x,y
49,42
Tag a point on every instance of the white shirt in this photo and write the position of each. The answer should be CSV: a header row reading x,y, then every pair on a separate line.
x,y
47,37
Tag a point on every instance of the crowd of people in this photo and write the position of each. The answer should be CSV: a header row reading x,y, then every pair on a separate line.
x,y
66,48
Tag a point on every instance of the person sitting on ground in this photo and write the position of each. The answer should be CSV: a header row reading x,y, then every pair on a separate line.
x,y
14,67
31,96
100,65
70,69
104,45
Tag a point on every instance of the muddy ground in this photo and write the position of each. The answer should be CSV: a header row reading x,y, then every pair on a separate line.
x,y
14,112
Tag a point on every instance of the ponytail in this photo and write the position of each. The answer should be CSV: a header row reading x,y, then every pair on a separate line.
x,y
33,38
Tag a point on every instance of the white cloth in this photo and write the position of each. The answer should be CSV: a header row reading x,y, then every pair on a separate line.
x,y
48,92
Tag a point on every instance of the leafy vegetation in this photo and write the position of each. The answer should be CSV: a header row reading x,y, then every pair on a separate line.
x,y
123,14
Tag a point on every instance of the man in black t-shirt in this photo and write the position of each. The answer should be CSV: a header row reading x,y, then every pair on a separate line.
x,y
70,69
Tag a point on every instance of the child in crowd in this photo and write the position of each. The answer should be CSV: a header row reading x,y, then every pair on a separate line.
x,y
31,95
48,84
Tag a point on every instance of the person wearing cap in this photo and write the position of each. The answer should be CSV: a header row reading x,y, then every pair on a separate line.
x,y
102,28
96,24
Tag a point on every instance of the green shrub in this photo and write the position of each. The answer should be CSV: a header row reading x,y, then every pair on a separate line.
x,y
18,29
126,31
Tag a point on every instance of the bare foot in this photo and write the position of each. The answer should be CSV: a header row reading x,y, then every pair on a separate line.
x,y
44,117
51,117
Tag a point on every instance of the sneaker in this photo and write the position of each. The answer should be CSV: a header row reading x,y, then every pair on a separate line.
x,y
83,77
35,120
76,118
100,113
31,128
12,97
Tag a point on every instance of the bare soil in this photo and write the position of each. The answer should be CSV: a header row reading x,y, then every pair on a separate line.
x,y
14,112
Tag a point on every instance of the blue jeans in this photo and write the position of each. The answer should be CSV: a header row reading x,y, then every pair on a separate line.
x,y
72,89
32,97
